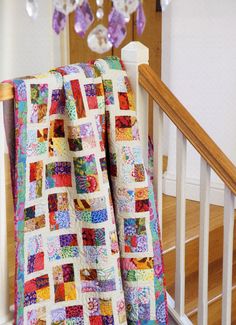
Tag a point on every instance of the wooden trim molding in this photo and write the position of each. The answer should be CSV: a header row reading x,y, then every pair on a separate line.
x,y
6,91
190,128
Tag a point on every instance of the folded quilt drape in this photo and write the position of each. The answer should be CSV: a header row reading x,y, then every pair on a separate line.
x,y
87,239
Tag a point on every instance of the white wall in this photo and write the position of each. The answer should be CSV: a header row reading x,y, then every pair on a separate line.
x,y
199,66
26,46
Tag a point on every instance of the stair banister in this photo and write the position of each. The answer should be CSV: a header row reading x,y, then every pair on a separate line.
x,y
158,120
190,128
205,175
213,158
181,148
228,256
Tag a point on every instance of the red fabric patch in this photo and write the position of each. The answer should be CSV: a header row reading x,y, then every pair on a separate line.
x,y
33,171
92,102
123,122
78,98
88,236
142,205
74,311
95,320
59,292
62,180
39,261
30,286
123,100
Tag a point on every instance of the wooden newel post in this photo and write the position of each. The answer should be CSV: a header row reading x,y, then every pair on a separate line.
x,y
5,315
134,54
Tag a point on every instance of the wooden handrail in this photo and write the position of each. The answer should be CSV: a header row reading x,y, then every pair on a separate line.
x,y
6,91
190,128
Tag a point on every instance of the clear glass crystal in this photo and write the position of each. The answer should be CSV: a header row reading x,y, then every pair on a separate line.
x,y
126,17
164,4
98,40
100,13
99,3
126,6
32,8
67,6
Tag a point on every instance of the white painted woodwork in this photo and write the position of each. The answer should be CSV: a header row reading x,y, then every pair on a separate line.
x,y
181,145
180,320
228,256
65,45
134,54
4,284
205,176
158,157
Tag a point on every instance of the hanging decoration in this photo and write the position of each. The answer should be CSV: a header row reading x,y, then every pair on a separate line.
x,y
101,38
32,8
164,4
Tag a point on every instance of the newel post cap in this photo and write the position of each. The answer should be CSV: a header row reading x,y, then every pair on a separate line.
x,y
135,52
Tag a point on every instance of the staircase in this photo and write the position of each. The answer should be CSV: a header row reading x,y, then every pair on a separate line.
x,y
199,239
192,259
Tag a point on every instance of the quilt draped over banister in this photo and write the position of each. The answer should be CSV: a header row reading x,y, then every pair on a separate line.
x,y
88,248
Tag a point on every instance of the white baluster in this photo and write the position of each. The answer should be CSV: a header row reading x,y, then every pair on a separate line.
x,y
180,223
158,156
134,54
4,283
204,243
228,256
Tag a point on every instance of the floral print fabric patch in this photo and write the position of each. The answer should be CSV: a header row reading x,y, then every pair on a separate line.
x,y
88,250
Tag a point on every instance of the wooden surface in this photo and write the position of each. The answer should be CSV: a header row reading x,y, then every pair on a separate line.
x,y
192,257
214,318
6,91
191,129
151,36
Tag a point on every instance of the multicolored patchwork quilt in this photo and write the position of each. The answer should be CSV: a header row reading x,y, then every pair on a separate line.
x,y
87,240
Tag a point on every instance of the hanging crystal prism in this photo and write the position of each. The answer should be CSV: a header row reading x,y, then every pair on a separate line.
x,y
140,19
83,18
164,4
32,8
98,40
99,3
99,13
58,21
116,27
126,6
66,6
126,17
